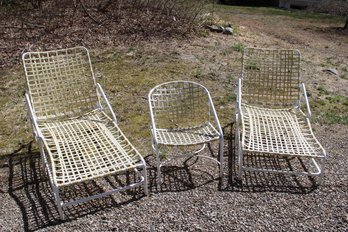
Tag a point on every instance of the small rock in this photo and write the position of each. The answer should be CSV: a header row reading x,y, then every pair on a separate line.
x,y
216,28
130,54
188,57
331,71
228,31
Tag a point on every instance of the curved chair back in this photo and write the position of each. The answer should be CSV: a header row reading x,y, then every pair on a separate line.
x,y
179,104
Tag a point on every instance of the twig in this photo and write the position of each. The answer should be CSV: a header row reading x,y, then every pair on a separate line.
x,y
33,25
85,10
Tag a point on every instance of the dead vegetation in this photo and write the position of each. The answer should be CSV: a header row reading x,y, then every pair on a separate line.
x,y
39,24
333,7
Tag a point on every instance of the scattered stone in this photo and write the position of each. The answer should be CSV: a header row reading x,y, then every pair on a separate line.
x,y
189,198
228,31
130,54
215,28
188,57
331,71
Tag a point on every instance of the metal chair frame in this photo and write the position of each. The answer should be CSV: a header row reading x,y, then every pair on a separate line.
x,y
269,116
88,125
176,102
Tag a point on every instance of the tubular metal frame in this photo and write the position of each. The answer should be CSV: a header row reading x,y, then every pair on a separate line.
x,y
182,142
44,148
306,145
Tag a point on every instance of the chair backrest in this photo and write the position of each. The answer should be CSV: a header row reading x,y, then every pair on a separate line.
x,y
270,77
179,104
60,83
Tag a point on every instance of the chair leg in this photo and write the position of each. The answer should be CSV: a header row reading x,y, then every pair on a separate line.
x,y
144,173
53,186
58,201
146,185
221,153
158,160
322,167
240,154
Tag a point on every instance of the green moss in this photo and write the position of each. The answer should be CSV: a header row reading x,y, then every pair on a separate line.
x,y
332,109
322,90
238,47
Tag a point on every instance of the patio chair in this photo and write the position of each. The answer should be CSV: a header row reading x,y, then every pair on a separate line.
x,y
270,120
183,116
74,124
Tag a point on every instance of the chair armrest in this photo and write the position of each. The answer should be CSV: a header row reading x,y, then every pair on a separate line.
x,y
216,119
304,93
32,117
103,96
239,97
152,119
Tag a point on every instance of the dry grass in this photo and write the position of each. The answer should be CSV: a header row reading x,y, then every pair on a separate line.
x,y
127,73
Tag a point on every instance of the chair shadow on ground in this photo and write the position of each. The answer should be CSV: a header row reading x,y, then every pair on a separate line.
x,y
183,174
260,181
29,187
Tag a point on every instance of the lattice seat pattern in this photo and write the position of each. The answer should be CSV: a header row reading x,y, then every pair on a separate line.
x,y
279,131
87,147
187,136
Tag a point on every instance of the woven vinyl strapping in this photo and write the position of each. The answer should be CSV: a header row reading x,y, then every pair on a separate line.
x,y
270,77
60,83
181,113
179,105
87,147
279,131
187,136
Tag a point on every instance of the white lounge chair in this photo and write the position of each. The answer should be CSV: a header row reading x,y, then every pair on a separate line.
x,y
74,124
269,117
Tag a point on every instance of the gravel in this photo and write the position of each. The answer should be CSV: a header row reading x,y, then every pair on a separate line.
x,y
192,198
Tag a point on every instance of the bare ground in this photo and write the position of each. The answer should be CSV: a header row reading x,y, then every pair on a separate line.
x,y
191,197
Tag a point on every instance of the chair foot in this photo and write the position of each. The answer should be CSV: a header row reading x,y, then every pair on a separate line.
x,y
60,211
238,180
159,178
320,180
146,187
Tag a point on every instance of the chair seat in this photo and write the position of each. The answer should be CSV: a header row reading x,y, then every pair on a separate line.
x,y
87,147
187,136
278,131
